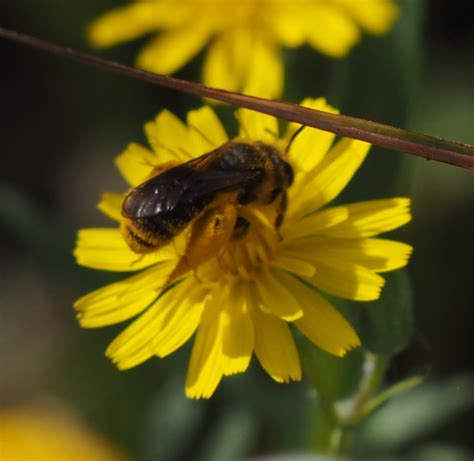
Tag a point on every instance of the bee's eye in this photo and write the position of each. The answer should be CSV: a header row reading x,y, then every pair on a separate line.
x,y
288,173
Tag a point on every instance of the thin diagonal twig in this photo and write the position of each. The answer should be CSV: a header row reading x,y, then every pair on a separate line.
x,y
390,137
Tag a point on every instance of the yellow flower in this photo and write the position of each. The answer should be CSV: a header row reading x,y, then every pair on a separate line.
x,y
245,299
244,36
50,432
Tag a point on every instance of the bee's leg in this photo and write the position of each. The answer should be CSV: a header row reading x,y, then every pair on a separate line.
x,y
241,228
209,234
281,208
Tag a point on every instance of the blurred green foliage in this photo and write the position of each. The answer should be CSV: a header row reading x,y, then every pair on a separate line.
x,y
63,123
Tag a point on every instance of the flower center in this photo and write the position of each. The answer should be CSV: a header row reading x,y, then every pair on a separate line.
x,y
243,257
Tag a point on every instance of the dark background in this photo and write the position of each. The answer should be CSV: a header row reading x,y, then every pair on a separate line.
x,y
62,123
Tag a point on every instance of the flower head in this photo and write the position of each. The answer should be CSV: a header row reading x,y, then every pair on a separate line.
x,y
245,293
50,431
244,39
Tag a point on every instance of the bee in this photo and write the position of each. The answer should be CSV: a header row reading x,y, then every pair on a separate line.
x,y
206,194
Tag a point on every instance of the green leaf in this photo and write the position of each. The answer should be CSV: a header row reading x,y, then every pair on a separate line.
x,y
416,413
35,228
233,438
333,377
295,457
172,422
386,326
438,452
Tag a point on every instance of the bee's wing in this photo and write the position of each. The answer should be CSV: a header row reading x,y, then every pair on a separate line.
x,y
180,186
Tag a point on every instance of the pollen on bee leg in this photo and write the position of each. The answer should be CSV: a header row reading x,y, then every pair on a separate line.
x,y
132,236
209,234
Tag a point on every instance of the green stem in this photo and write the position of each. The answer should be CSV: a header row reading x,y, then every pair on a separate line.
x,y
374,371
332,428
396,389
327,433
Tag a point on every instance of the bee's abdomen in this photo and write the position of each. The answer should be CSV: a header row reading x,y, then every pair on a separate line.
x,y
144,235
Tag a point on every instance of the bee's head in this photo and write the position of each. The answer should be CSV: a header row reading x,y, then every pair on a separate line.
x,y
288,173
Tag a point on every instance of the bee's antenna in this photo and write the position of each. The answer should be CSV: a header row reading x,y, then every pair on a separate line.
x,y
185,152
203,136
293,137
267,130
173,152
147,162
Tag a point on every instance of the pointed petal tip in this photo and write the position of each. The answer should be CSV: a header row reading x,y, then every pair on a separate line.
x,y
195,394
287,379
235,370
356,343
122,364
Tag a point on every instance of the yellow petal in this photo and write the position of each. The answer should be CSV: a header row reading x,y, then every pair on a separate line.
x,y
106,249
330,30
378,255
275,347
265,69
286,22
205,130
133,21
305,154
181,324
287,262
46,429
111,205
310,145
121,300
223,344
275,297
346,280
226,62
372,217
238,333
322,324
169,138
256,126
329,178
312,224
134,340
206,365
312,103
135,164
132,346
376,16
172,49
